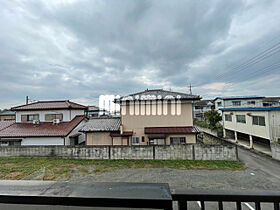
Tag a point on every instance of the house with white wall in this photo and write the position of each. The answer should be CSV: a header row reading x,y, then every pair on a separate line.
x,y
200,107
257,123
46,123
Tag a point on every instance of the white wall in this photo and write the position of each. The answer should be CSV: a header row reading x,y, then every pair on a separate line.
x,y
274,117
244,103
82,137
248,128
68,115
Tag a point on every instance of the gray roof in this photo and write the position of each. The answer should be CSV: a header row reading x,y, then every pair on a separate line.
x,y
159,94
7,112
102,124
204,103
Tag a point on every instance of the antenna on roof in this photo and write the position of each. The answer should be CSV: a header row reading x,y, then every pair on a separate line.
x,y
190,88
26,100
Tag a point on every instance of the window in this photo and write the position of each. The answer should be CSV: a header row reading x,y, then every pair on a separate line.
x,y
135,140
241,118
236,103
251,102
51,117
95,137
228,117
29,117
143,138
259,120
219,104
177,140
198,107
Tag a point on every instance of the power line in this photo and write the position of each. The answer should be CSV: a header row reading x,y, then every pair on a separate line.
x,y
256,59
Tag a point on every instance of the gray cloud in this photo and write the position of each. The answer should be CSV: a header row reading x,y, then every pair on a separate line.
x,y
80,49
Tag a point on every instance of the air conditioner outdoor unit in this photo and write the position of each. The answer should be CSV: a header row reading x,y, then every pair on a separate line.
x,y
56,121
36,122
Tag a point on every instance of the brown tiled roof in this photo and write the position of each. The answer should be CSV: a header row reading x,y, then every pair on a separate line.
x,y
42,105
171,130
44,129
5,124
127,133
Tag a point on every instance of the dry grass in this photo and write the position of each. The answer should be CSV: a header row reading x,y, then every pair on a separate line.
x,y
58,168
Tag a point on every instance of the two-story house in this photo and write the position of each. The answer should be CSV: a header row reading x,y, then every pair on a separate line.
x,y
45,123
200,107
147,118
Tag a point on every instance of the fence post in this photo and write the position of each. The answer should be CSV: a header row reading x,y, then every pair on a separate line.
x,y
109,151
154,152
193,152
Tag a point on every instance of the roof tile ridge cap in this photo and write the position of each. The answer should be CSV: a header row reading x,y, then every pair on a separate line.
x,y
16,107
71,102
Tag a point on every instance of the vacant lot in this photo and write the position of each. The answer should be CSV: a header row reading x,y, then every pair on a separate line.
x,y
63,169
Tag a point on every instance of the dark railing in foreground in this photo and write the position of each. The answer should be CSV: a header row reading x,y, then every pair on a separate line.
x,y
126,195
220,196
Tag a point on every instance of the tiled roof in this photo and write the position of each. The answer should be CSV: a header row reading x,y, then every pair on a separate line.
x,y
171,130
5,124
8,112
42,105
159,94
102,124
44,129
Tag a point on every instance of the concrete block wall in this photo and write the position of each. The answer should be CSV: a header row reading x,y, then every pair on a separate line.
x,y
132,152
215,152
172,152
275,150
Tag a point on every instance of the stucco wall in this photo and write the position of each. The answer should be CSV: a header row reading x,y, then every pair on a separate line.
x,y
98,138
68,115
248,127
274,117
42,141
104,138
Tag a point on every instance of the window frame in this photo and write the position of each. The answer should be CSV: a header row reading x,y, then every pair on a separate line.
x,y
55,117
137,142
228,115
181,140
236,103
27,116
257,121
242,121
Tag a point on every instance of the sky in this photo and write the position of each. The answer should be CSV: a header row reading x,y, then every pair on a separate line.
x,y
80,49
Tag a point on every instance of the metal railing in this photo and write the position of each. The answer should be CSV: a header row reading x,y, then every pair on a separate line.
x,y
129,195
221,196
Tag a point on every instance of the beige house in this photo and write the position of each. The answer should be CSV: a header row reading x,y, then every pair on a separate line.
x,y
256,124
151,117
7,115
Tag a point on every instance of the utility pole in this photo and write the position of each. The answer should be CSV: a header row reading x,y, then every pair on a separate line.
x,y
26,100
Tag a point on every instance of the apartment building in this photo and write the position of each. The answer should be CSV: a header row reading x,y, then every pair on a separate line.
x,y
254,123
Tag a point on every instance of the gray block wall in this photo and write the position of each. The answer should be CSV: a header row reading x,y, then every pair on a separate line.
x,y
275,150
172,152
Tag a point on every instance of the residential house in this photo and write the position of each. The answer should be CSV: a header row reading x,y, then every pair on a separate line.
x,y
256,124
200,107
147,118
93,111
7,115
46,123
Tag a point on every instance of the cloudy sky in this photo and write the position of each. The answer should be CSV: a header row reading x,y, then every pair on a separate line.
x,y
59,49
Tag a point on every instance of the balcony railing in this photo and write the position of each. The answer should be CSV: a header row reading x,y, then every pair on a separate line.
x,y
224,196
128,195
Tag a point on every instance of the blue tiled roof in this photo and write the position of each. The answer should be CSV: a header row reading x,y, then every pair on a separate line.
x,y
251,109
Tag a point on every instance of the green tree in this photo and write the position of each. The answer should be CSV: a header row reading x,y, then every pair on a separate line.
x,y
213,117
